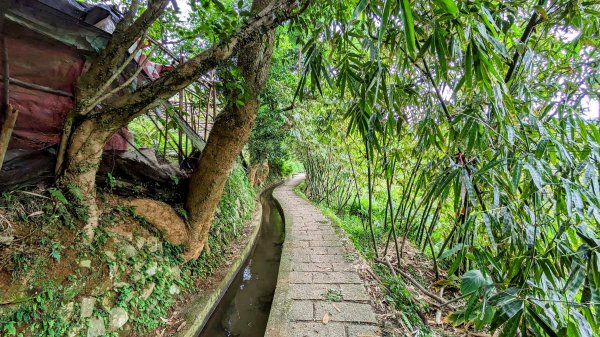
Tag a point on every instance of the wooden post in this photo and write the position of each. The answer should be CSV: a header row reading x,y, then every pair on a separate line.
x,y
214,93
180,139
180,142
11,114
187,119
7,129
210,88
166,133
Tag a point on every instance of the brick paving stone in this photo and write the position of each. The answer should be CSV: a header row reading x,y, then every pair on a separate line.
x,y
311,250
319,258
311,291
344,266
301,311
337,277
313,267
301,244
317,329
354,292
299,258
357,330
323,243
301,277
348,312
337,250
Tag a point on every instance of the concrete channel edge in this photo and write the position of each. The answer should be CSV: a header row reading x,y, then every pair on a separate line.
x,y
277,323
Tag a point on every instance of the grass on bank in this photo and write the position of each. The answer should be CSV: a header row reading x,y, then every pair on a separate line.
x,y
43,282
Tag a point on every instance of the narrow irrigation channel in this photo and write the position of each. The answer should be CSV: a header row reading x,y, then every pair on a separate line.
x,y
244,310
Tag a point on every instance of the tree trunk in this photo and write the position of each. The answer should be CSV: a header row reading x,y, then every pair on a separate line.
x,y
83,159
227,138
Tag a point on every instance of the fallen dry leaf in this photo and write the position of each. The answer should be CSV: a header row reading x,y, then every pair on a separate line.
x,y
336,307
326,318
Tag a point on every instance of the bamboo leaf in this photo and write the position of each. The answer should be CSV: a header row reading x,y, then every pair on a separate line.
x,y
384,20
575,280
452,251
409,28
535,176
447,6
547,328
472,281
359,8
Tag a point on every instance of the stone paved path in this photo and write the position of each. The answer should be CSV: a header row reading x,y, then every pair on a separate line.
x,y
313,263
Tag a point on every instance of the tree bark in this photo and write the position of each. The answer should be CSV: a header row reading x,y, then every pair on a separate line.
x,y
84,154
227,137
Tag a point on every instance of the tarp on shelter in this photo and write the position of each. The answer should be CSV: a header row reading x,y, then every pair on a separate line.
x,y
48,43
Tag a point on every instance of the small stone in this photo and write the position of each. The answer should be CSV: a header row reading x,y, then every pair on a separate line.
x,y
140,242
174,290
136,277
67,311
113,271
6,239
85,264
96,327
110,255
154,244
148,291
152,269
138,265
129,250
117,318
176,272
87,306
107,302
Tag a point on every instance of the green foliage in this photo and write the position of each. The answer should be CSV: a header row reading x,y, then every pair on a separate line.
x,y
7,197
40,316
333,295
460,125
290,167
65,206
271,137
55,253
112,181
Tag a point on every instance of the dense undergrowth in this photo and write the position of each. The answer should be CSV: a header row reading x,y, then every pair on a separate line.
x,y
47,269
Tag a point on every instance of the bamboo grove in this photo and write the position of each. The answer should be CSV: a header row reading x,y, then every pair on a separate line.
x,y
463,126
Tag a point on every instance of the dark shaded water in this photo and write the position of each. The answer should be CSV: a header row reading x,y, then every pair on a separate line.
x,y
244,310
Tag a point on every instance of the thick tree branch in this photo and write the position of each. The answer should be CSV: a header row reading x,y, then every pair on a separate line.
x,y
129,15
128,107
111,57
